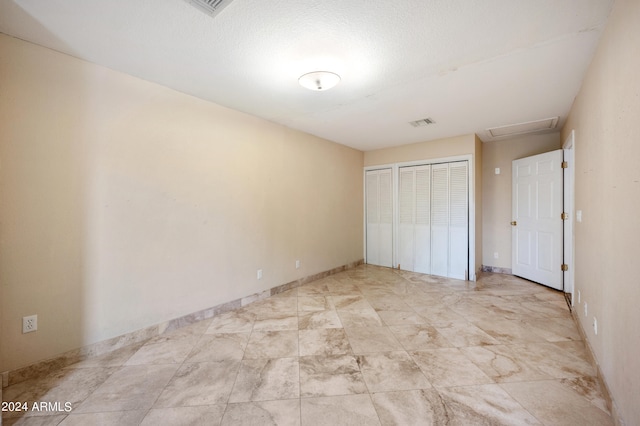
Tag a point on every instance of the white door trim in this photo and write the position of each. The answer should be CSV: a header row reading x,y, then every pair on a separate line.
x,y
569,207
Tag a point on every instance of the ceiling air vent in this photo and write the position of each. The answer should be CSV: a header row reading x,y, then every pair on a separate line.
x,y
423,122
522,128
211,7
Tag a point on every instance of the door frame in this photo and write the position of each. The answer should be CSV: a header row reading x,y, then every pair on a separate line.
x,y
569,240
395,173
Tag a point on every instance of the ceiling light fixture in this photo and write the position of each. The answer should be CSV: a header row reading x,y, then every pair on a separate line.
x,y
319,80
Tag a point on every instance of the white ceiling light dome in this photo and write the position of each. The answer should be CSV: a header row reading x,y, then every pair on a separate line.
x,y
319,80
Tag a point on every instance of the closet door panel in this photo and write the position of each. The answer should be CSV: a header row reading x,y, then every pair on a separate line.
x,y
422,228
440,219
372,202
379,217
406,213
386,219
458,220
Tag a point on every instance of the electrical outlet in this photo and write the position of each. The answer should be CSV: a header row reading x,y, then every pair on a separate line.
x,y
578,296
595,325
496,255
259,274
297,264
585,309
29,324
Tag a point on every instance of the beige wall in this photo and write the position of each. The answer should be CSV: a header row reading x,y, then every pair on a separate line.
x,y
441,148
497,191
126,204
605,116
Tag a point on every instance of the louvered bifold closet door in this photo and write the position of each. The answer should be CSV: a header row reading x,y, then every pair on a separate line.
x,y
458,220
414,211
406,218
379,214
423,220
440,219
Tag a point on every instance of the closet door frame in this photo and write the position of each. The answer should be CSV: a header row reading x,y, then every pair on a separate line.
x,y
395,173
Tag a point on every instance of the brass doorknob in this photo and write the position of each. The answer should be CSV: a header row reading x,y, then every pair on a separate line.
x,y
514,223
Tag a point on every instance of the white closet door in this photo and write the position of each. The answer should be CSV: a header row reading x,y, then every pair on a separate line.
x,y
406,218
414,211
379,204
458,220
440,219
423,220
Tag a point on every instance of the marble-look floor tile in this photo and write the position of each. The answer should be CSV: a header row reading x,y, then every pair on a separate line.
x,y
589,388
424,407
508,331
120,418
349,303
368,318
419,337
164,350
330,375
240,321
267,379
318,319
313,303
498,351
184,416
203,383
484,404
340,289
372,339
391,371
449,367
462,334
34,421
400,317
67,385
388,303
276,321
266,413
219,347
134,387
115,358
327,341
503,364
338,410
438,315
272,344
315,289
554,359
553,331
553,403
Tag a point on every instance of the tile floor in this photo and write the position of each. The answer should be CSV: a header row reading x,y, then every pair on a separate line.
x,y
367,346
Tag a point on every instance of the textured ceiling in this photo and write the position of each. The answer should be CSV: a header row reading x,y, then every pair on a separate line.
x,y
467,64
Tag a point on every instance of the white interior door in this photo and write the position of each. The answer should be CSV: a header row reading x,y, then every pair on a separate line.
x,y
537,222
379,216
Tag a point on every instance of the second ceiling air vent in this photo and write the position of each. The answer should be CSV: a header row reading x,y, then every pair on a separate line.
x,y
423,122
211,7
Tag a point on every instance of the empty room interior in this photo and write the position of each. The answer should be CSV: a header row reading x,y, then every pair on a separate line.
x,y
306,213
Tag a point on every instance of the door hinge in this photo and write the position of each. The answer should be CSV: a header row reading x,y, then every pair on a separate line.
x,y
564,216
565,267
565,165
